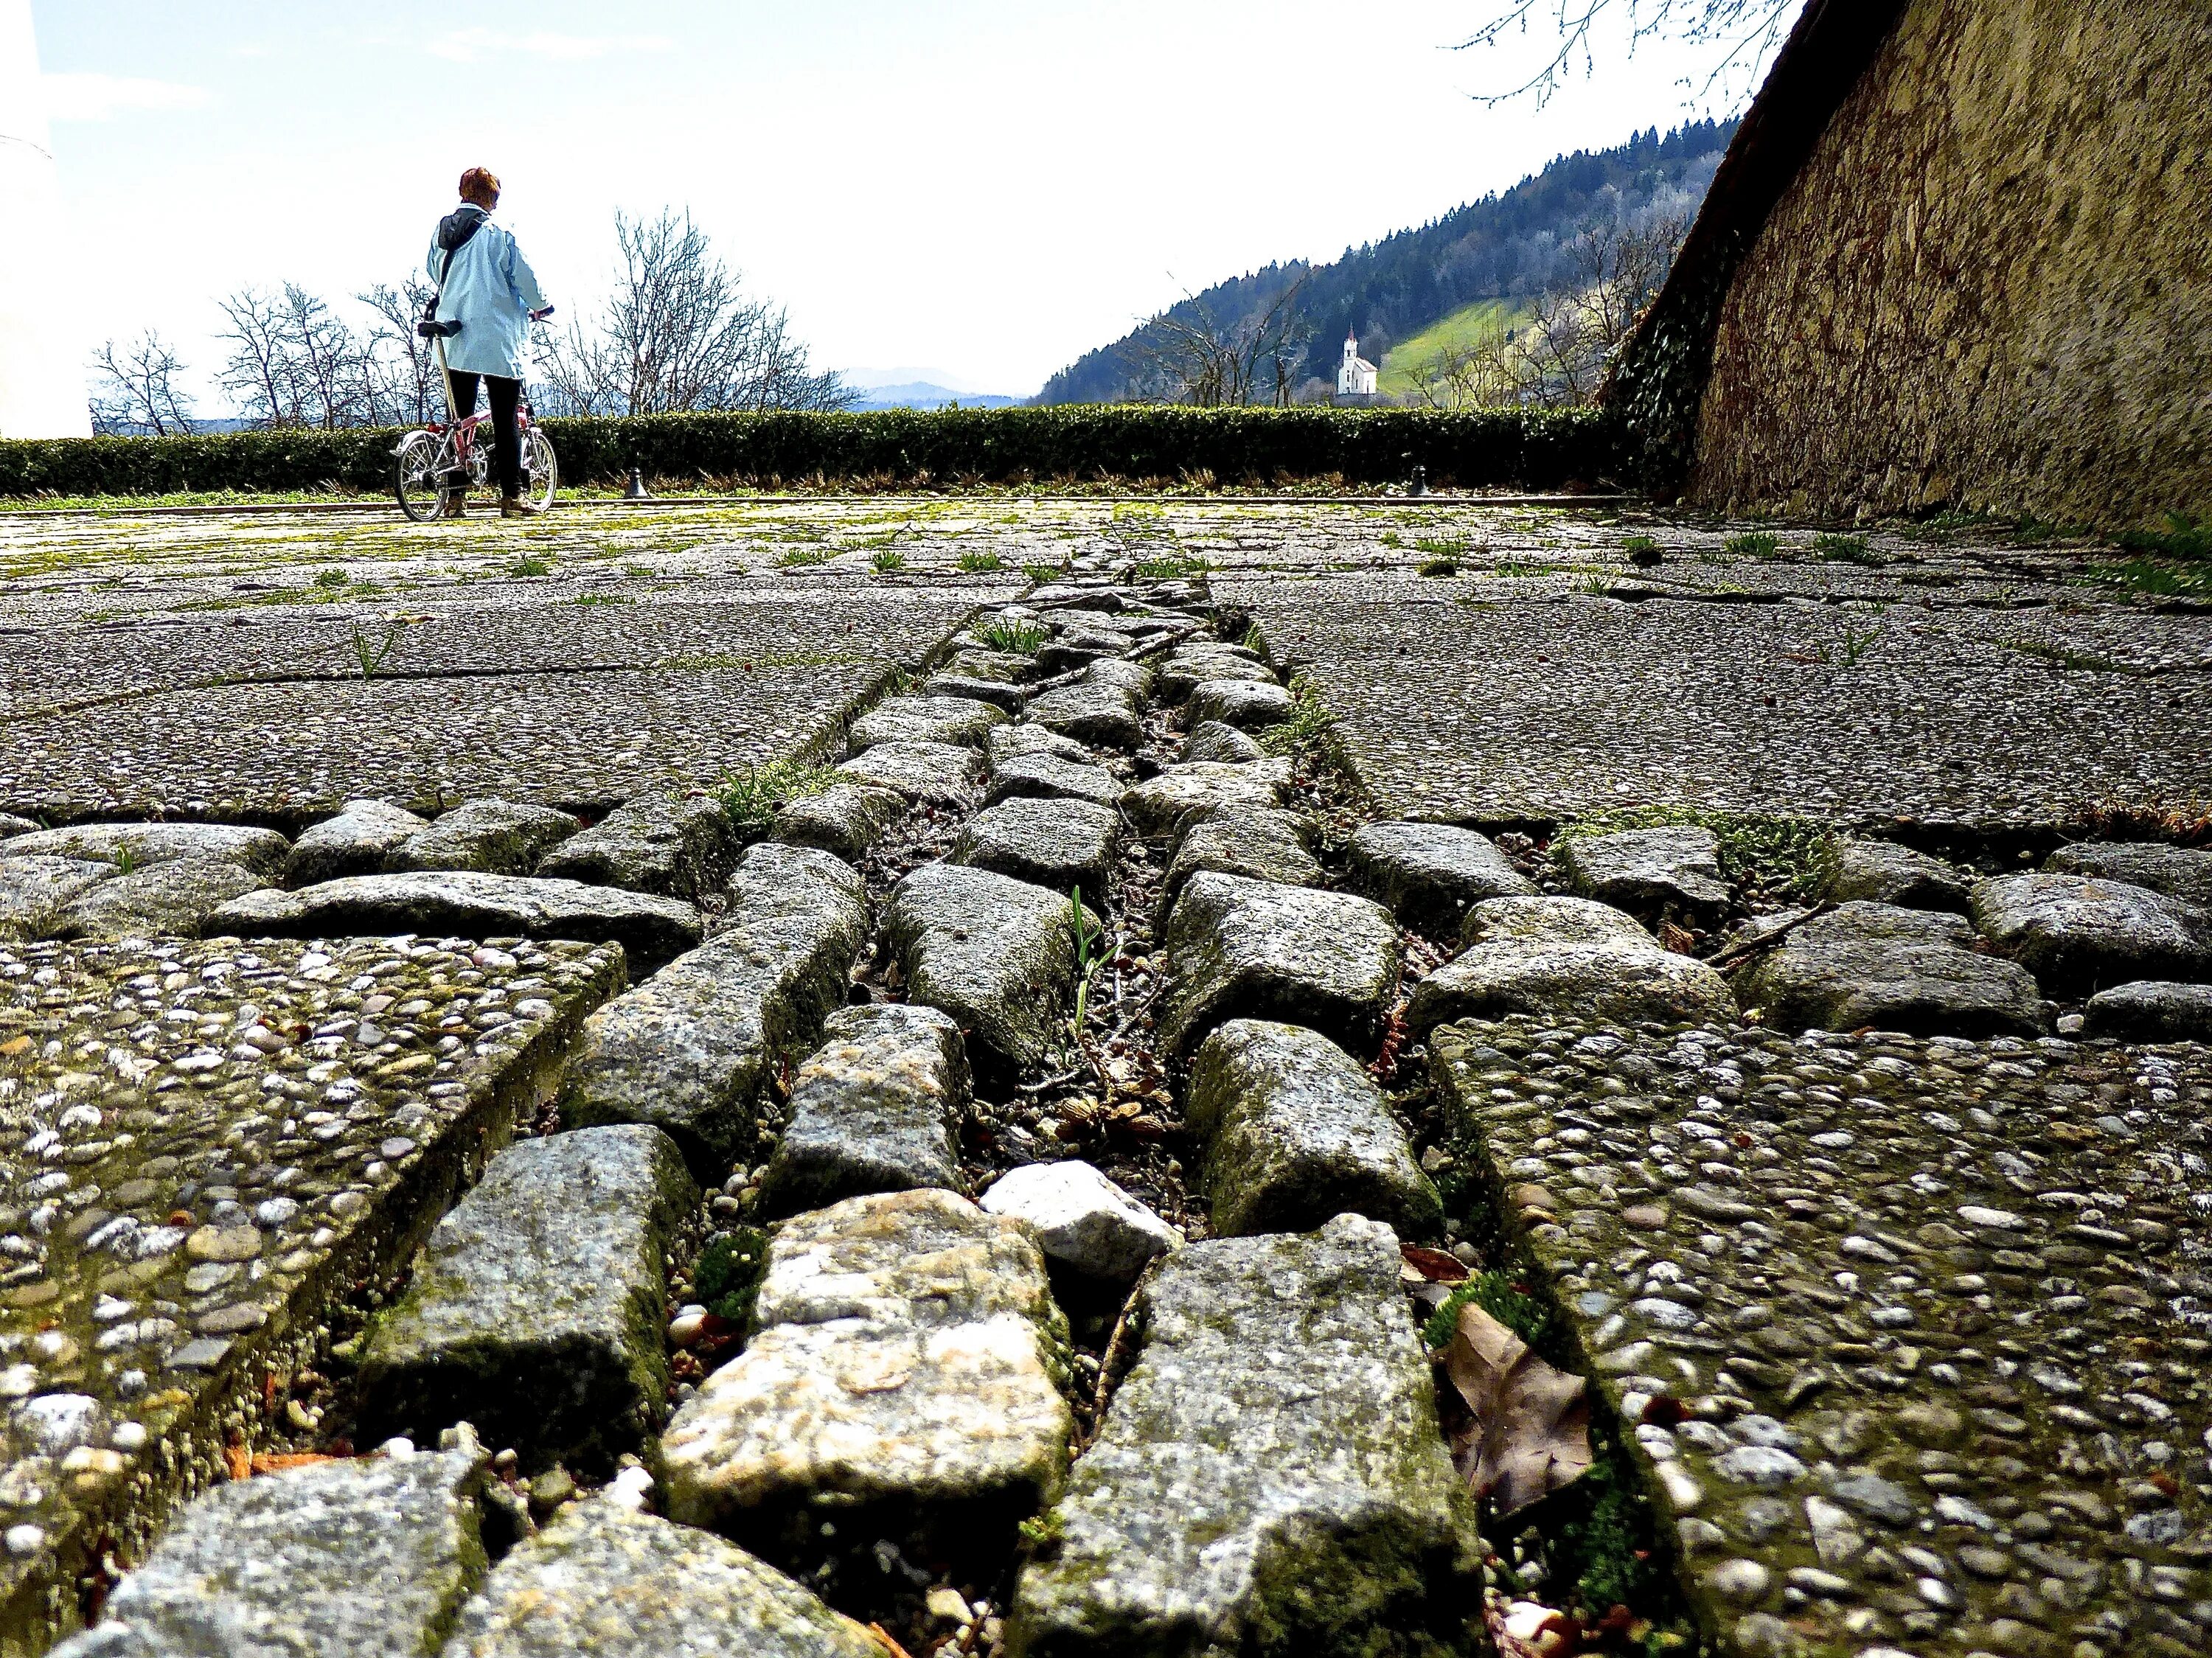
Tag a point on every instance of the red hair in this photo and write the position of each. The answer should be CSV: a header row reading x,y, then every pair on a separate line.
x,y
478,182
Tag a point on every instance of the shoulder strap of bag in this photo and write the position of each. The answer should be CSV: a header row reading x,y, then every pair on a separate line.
x,y
474,225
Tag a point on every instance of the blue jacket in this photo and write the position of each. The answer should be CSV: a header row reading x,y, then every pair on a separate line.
x,y
490,291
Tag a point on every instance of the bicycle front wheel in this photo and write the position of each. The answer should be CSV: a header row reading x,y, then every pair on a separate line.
x,y
541,472
417,479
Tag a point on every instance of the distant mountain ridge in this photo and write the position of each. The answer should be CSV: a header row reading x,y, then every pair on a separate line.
x,y
924,394
1506,246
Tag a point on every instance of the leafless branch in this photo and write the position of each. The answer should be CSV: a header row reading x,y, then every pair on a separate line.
x,y
1742,31
138,391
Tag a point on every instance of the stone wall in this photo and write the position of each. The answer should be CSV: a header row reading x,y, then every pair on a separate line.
x,y
1990,287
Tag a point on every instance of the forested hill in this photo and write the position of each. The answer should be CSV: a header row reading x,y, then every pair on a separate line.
x,y
1503,246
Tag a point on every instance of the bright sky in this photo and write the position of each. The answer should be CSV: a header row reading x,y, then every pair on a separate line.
x,y
980,189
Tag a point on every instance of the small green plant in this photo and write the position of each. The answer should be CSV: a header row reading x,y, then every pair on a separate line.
x,y
127,860
1171,567
888,559
1088,941
2059,655
1794,855
727,1277
1642,550
1254,640
1041,572
795,558
1512,567
1043,1532
751,794
1307,731
372,657
329,578
1496,1293
1392,538
1007,633
1597,584
1845,550
1858,641
2157,578
1754,544
604,598
1439,566
2184,536
529,565
1440,546
975,562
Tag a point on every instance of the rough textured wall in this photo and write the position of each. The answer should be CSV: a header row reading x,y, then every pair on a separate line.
x,y
1990,286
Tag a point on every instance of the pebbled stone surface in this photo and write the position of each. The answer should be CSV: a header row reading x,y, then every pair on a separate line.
x,y
1082,1219
953,719
33,891
1569,958
493,837
347,1559
1428,875
263,851
2178,872
651,931
691,1050
2081,933
933,773
1922,1312
536,1312
1883,873
1051,777
1651,871
1059,844
356,841
676,843
847,819
876,1108
173,897
1894,970
1169,804
995,953
904,1382
1242,948
1294,1132
602,1579
2152,1011
1270,1479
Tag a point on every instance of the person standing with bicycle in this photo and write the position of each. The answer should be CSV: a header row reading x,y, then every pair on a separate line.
x,y
488,297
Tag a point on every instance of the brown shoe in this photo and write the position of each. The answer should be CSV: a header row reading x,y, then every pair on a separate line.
x,y
516,506
455,506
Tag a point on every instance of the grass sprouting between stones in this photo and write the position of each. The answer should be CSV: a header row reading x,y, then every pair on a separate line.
x,y
1171,567
1447,547
1310,728
729,1272
1845,550
530,565
1754,544
1041,572
2179,822
751,794
2159,578
1794,856
1011,634
974,562
888,559
2184,536
795,558
604,598
2061,657
331,578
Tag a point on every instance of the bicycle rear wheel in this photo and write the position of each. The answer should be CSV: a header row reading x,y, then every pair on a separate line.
x,y
417,480
541,470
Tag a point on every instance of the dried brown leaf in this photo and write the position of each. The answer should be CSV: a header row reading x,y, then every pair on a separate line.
x,y
1433,1266
1530,1433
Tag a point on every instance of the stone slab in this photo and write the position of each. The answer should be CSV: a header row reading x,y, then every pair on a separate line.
x,y
1187,666
904,1383
1242,948
1209,739
1246,705
174,898
536,1312
1060,844
1651,871
1295,1132
847,819
357,840
602,1579
1893,968
1883,873
1428,875
933,773
2184,872
651,931
876,1108
346,1560
1051,777
494,837
2081,933
1262,844
953,719
139,845
691,1051
1276,1432
1167,804
1082,1219
216,1142
2152,1011
33,891
676,843
1906,1329
1100,708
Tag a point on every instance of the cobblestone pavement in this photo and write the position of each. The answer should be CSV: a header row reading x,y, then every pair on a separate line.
x,y
1030,1175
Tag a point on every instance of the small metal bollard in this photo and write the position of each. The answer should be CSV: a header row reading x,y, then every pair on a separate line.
x,y
637,491
1419,486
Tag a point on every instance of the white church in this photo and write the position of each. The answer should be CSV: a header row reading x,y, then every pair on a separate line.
x,y
1355,377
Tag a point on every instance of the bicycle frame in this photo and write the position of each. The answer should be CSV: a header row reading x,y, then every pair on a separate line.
x,y
461,432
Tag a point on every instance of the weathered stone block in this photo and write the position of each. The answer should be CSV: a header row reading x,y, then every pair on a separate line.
x,y
847,821
934,774
997,954
348,1559
690,1050
877,1108
538,1310
1169,804
1058,844
1430,875
1000,694
2078,933
1106,710
1248,705
263,851
1051,777
33,891
1270,1479
465,904
602,1580
1883,873
676,843
1209,739
952,719
1294,1133
493,837
1081,1219
1262,844
1894,970
2153,1010
1012,741
2181,872
1241,949
174,898
1653,871
356,841
1187,666
904,1383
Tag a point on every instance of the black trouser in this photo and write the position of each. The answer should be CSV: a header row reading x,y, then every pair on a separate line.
x,y
506,447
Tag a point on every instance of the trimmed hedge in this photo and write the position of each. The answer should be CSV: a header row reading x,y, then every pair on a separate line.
x,y
1534,449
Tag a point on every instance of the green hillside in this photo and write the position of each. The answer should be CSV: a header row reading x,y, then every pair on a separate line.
x,y
1453,334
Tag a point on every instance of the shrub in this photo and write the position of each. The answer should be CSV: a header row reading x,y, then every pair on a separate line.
x,y
889,558
973,562
1438,566
1754,544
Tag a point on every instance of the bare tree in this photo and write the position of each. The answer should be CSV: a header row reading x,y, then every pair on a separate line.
x,y
680,333
1741,32
398,365
137,392
1190,355
258,373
